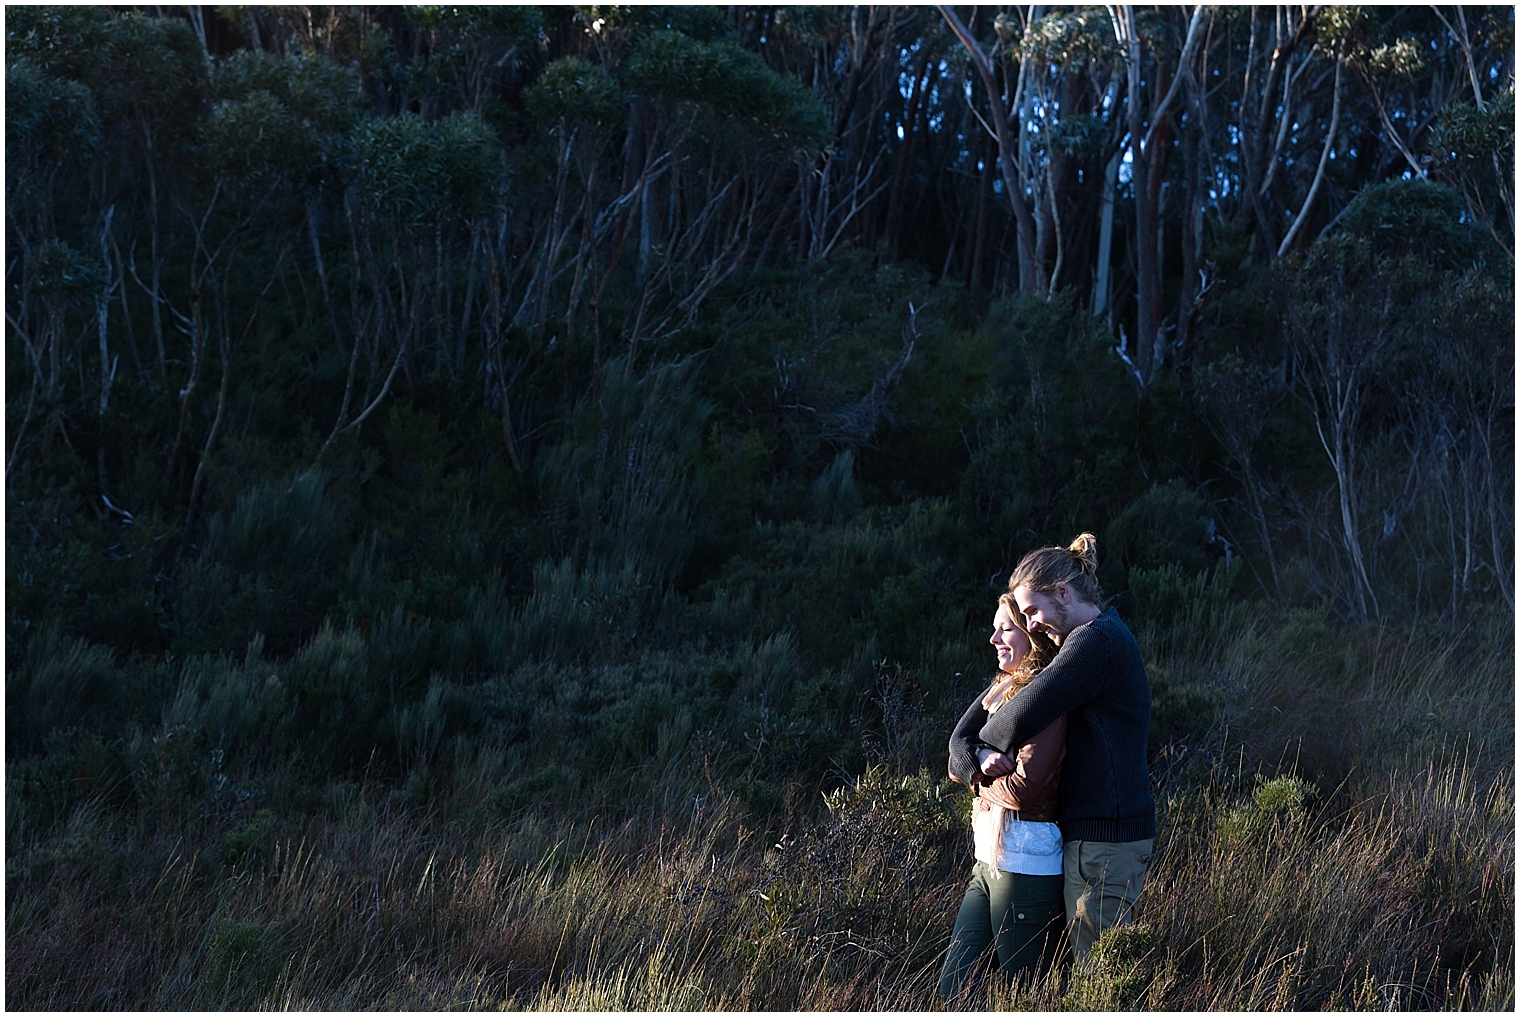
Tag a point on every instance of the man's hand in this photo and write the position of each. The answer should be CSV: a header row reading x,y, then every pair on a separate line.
x,y
993,763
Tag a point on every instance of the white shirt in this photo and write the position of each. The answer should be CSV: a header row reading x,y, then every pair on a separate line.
x,y
1033,849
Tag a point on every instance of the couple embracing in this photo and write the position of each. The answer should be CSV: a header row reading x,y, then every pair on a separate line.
x,y
1063,819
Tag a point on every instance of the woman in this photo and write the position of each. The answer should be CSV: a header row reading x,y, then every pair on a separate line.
x,y
1014,899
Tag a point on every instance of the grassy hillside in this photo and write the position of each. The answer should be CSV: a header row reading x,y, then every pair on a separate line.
x,y
1336,831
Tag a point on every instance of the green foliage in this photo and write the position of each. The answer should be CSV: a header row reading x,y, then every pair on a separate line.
x,y
701,22
661,517
1411,217
318,93
1168,523
235,941
53,268
730,80
47,114
815,359
577,92
737,468
65,682
149,67
1121,967
621,711
761,799
1400,57
623,478
1278,801
539,787
421,727
835,493
506,843
73,767
61,35
238,956
246,844
1080,137
411,171
1187,614
271,528
1185,708
511,20
1469,135
1057,411
1063,37
874,587
884,838
1351,26
566,603
279,114
1376,317
337,704
254,139
463,58
916,805
1237,397
1281,796
1473,147
236,706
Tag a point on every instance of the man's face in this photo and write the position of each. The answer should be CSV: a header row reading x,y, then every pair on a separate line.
x,y
1046,612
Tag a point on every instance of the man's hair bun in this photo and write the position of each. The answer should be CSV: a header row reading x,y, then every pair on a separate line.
x,y
1085,549
1076,565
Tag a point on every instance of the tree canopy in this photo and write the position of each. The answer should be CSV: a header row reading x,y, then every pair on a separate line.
x,y
678,308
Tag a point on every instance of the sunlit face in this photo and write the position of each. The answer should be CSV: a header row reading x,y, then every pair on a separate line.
x,y
1008,639
1046,612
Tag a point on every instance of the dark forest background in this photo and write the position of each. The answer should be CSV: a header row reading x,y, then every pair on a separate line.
x,y
506,407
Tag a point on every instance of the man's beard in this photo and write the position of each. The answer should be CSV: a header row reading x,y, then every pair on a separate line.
x,y
1060,623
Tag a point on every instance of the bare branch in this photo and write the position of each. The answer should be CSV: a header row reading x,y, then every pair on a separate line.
x,y
1195,35
1319,173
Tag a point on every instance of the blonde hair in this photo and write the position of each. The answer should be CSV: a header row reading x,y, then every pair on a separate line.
x,y
1075,565
1041,650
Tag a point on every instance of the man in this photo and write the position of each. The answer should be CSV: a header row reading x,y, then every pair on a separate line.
x,y
1098,681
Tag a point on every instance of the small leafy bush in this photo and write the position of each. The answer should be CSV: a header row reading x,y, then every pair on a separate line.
x,y
248,842
1274,801
273,528
1120,968
548,783
65,681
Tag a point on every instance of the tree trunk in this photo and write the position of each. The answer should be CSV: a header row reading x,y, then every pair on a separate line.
x,y
1104,280
1031,273
1144,245
983,191
1192,224
922,79
1148,160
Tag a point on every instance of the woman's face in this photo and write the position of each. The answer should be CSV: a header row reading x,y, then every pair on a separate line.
x,y
1008,639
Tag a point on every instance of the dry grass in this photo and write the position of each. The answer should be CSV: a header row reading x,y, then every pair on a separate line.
x,y
1390,888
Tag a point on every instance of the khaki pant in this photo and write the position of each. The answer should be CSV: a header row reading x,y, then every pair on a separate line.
x,y
1102,881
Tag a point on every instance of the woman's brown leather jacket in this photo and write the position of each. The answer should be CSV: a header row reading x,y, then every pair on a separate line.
x,y
1032,789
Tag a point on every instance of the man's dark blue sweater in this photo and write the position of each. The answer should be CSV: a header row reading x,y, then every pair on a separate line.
x,y
1098,681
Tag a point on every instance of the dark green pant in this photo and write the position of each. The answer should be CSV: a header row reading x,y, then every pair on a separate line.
x,y
1023,915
